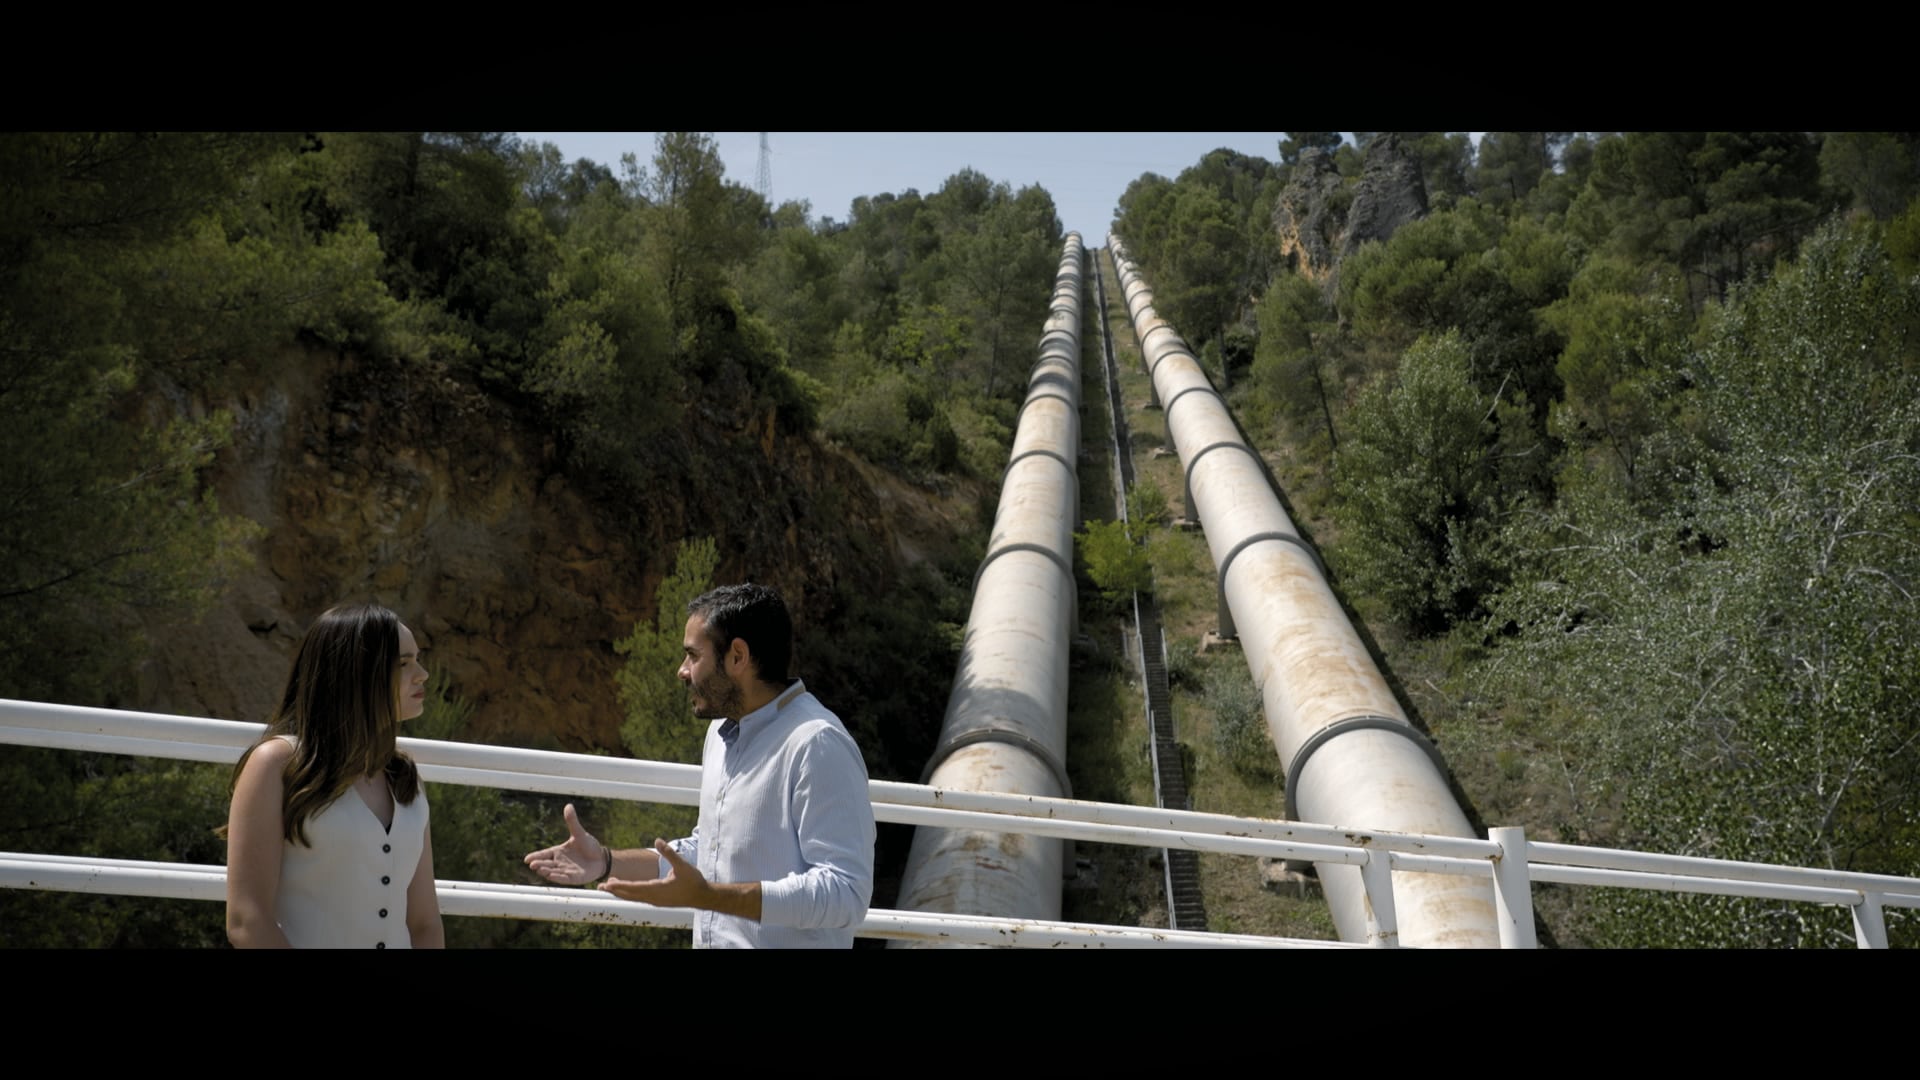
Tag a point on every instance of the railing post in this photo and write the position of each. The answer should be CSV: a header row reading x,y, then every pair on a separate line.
x,y
1512,889
1376,876
1869,924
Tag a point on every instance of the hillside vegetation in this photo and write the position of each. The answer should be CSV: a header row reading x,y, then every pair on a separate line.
x,y
1614,440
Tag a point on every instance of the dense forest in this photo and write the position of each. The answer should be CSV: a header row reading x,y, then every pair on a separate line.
x,y
1614,441
659,326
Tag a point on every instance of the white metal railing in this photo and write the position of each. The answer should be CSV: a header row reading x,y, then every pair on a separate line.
x,y
1512,861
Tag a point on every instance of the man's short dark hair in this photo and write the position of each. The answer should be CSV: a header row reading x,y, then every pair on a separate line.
x,y
756,615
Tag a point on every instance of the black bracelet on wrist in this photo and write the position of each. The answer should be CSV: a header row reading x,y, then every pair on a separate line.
x,y
608,872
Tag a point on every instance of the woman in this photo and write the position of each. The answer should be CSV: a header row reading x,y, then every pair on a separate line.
x,y
327,842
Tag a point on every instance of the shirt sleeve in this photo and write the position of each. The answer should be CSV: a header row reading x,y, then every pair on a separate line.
x,y
687,848
833,818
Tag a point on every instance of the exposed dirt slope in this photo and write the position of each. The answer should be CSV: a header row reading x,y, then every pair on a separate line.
x,y
408,485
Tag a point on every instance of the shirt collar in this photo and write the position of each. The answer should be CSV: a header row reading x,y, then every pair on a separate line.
x,y
730,727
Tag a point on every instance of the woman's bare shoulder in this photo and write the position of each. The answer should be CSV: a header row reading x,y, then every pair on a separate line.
x,y
274,752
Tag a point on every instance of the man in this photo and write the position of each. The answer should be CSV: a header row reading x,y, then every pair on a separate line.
x,y
782,855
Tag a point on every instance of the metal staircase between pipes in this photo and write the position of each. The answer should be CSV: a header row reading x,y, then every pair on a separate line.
x,y
1185,908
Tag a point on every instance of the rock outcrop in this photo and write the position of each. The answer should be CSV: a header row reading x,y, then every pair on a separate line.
x,y
1310,216
407,485
1391,193
1320,219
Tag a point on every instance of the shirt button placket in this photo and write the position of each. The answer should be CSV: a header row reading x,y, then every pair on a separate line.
x,y
711,851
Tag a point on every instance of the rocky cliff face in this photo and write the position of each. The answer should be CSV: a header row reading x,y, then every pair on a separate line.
x,y
1391,193
405,484
1310,216
1320,220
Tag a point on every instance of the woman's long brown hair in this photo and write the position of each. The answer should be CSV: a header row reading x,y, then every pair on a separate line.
x,y
342,708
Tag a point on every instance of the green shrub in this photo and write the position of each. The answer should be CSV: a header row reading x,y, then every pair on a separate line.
x,y
1239,724
891,419
1147,507
1115,561
1419,503
984,438
659,725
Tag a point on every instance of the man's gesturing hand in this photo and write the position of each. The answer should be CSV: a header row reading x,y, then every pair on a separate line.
x,y
580,860
684,886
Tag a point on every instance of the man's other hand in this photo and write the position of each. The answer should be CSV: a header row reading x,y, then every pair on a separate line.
x,y
580,861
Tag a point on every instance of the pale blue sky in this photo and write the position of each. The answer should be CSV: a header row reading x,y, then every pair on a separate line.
x,y
1085,171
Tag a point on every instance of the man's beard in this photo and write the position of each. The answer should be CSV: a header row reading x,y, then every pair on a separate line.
x,y
717,698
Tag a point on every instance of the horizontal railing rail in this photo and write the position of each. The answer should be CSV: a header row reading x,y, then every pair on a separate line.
x,y
480,899
1512,860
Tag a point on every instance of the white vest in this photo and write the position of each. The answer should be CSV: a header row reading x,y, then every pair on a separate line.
x,y
349,890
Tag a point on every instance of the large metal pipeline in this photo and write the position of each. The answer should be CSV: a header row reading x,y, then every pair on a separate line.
x,y
1006,722
1351,756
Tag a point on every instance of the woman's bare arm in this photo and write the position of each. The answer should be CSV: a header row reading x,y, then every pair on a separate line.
x,y
254,841
423,903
